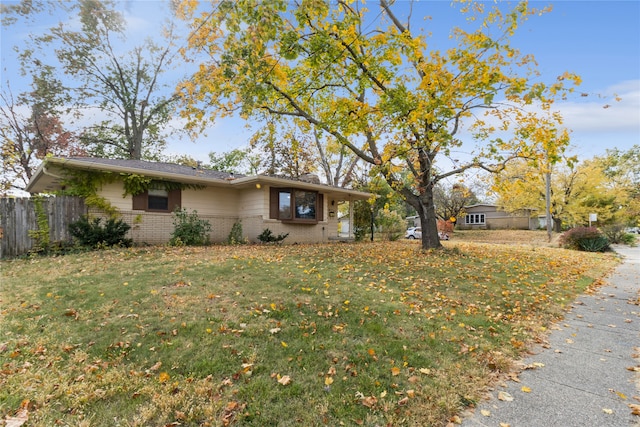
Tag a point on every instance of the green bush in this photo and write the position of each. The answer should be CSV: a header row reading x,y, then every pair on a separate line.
x,y
588,239
391,223
616,234
93,234
267,236
235,235
629,239
189,229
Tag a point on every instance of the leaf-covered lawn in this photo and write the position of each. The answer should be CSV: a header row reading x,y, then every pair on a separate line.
x,y
343,334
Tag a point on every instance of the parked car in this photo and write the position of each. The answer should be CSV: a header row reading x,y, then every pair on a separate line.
x,y
416,233
413,233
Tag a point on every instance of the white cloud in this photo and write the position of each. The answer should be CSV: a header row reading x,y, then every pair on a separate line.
x,y
605,114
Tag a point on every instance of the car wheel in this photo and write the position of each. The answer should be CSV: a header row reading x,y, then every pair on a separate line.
x,y
412,237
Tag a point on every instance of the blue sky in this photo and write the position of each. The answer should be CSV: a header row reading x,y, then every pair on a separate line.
x,y
598,40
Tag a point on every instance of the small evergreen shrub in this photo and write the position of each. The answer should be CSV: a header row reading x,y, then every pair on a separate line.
x,y
267,236
235,236
93,234
189,229
588,239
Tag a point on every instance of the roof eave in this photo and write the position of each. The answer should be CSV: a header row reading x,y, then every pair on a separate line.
x,y
246,181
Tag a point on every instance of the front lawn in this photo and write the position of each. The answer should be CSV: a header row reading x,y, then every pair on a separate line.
x,y
341,334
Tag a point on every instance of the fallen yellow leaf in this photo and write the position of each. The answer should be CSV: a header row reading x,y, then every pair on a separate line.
x,y
485,413
369,401
285,380
525,389
21,417
504,396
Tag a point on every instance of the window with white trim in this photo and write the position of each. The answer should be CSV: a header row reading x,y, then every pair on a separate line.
x,y
474,219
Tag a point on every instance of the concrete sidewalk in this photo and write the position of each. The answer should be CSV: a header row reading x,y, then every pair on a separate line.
x,y
582,379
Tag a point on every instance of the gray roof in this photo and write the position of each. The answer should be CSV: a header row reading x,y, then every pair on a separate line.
x,y
50,174
169,168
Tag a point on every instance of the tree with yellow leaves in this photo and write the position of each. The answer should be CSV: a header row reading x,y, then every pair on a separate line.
x,y
576,190
363,76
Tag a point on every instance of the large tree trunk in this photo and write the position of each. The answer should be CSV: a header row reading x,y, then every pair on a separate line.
x,y
423,204
135,145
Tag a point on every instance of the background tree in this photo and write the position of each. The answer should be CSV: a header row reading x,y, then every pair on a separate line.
x,y
337,162
238,160
450,200
577,189
367,79
125,90
31,128
284,149
622,168
387,206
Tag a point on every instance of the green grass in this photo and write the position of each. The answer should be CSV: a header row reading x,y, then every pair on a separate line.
x,y
358,334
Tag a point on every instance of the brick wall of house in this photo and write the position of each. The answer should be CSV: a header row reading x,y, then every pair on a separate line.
x,y
222,208
155,228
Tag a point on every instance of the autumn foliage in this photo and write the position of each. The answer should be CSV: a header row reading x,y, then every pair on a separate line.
x,y
364,76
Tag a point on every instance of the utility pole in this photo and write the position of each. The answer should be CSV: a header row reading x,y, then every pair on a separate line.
x,y
548,203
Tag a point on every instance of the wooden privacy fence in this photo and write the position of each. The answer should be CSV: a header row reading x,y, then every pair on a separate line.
x,y
18,216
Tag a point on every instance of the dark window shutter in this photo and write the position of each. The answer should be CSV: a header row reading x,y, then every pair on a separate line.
x,y
140,201
175,199
320,208
273,203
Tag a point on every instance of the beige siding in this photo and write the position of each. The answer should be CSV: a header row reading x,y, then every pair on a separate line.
x,y
113,193
332,227
253,203
211,201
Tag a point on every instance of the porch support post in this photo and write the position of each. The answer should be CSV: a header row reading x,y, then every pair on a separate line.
x,y
351,223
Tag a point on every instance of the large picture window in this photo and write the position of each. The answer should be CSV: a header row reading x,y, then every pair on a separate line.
x,y
305,204
293,205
